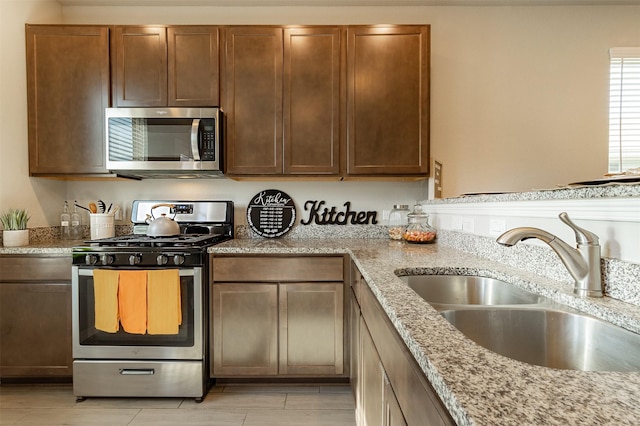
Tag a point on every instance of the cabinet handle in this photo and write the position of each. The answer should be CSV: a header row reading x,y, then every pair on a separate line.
x,y
137,371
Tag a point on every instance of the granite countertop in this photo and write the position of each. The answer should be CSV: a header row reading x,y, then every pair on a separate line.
x,y
53,247
477,386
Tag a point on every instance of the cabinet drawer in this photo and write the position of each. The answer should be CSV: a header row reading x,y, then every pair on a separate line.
x,y
35,268
266,268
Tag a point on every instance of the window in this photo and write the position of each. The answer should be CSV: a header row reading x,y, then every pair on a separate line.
x,y
624,109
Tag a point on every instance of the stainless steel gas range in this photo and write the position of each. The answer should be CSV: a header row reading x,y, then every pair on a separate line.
x,y
140,320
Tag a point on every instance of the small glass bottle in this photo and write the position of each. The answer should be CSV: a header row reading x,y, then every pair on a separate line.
x,y
75,230
65,222
398,221
418,230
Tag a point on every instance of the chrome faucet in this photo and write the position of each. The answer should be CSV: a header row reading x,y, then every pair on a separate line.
x,y
583,262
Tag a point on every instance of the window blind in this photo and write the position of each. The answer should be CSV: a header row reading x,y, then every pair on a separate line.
x,y
624,109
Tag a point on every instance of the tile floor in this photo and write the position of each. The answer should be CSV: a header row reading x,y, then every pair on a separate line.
x,y
228,405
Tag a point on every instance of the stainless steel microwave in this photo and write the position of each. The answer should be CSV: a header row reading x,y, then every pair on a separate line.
x,y
164,142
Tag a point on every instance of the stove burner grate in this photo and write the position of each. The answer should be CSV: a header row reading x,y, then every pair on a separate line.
x,y
182,240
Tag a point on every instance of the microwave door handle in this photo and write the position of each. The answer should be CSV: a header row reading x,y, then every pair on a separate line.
x,y
195,149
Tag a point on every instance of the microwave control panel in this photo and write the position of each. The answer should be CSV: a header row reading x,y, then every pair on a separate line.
x,y
208,139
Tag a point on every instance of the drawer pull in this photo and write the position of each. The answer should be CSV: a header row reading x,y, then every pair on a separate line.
x,y
137,371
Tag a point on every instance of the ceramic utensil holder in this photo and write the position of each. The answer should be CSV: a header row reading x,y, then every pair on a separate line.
x,y
102,225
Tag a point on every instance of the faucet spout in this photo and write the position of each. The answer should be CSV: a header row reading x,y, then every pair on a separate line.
x,y
582,263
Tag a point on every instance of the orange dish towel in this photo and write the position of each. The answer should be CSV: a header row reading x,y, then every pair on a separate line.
x,y
164,313
132,301
105,289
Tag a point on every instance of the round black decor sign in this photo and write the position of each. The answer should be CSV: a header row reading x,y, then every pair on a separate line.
x,y
271,213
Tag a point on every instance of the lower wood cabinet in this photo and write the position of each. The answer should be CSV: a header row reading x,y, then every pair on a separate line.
x,y
311,328
371,380
392,413
389,386
277,316
35,317
245,329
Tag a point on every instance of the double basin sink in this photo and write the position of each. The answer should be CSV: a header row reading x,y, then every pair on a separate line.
x,y
527,327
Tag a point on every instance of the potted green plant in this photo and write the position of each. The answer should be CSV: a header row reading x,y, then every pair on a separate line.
x,y
14,222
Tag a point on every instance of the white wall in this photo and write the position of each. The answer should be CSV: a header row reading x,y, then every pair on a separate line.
x,y
519,94
17,190
519,99
615,221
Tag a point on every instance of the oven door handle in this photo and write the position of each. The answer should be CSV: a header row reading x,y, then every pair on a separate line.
x,y
137,371
195,148
88,272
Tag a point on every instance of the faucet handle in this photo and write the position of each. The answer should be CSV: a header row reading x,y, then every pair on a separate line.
x,y
582,235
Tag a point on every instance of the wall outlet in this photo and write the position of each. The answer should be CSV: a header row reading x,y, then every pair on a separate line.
x,y
119,214
456,223
385,214
497,227
468,224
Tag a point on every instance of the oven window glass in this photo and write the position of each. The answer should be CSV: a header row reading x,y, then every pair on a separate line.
x,y
150,139
90,336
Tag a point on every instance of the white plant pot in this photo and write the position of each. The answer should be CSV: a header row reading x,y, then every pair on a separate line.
x,y
16,238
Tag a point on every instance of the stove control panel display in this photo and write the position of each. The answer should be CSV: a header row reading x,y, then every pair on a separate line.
x,y
182,209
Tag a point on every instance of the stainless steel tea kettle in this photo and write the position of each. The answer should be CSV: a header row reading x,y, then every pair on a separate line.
x,y
162,226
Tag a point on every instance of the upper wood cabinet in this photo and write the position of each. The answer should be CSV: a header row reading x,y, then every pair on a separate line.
x,y
281,93
388,100
327,100
252,99
67,91
165,66
312,100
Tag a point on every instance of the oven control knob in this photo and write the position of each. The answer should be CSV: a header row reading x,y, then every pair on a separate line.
x,y
107,259
135,259
91,259
178,259
162,259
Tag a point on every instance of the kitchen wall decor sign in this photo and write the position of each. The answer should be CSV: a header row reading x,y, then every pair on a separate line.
x,y
271,213
326,216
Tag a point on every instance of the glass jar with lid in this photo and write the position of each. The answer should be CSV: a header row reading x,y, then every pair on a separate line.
x,y
398,221
418,230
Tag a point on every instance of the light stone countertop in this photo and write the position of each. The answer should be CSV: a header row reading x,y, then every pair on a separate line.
x,y
477,386
52,247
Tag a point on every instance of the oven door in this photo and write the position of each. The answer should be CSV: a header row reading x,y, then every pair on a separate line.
x,y
91,343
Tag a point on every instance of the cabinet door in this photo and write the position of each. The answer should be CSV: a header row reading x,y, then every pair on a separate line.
x,y
388,100
35,330
140,66
312,125
371,380
392,411
252,99
193,70
67,92
311,328
354,353
245,329
417,399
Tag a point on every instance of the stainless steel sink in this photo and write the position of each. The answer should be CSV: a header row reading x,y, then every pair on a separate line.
x,y
468,290
550,338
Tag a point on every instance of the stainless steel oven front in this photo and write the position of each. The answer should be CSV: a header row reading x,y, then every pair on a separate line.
x,y
145,365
